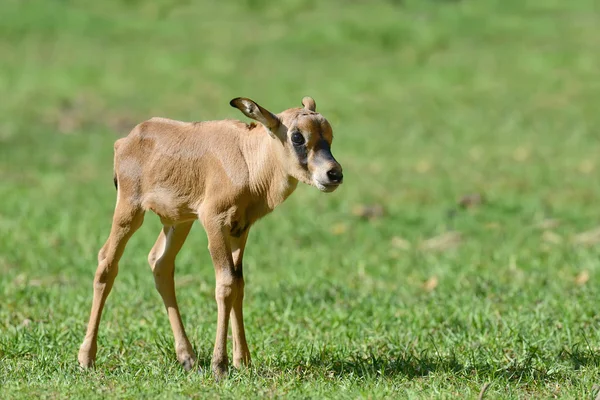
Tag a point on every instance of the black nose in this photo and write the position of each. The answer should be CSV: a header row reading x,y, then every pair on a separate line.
x,y
335,175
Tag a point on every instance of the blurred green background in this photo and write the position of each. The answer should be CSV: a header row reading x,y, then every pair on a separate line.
x,y
461,249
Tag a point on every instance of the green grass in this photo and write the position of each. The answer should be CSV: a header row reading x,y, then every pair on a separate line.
x,y
429,100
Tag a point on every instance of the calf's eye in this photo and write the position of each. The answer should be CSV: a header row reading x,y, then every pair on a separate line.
x,y
297,139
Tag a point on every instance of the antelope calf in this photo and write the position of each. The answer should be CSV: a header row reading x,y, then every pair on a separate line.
x,y
227,174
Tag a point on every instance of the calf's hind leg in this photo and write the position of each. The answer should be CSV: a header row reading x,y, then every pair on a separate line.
x,y
162,261
126,220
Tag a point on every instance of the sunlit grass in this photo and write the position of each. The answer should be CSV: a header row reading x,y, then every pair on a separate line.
x,y
460,250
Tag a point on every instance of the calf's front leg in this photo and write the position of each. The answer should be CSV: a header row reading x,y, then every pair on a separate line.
x,y
229,284
241,354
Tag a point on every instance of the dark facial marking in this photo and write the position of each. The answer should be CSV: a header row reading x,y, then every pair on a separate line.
x,y
323,152
299,147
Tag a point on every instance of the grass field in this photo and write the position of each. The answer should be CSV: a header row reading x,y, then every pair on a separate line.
x,y
430,101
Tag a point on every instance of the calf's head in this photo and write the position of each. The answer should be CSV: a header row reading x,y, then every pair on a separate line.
x,y
306,137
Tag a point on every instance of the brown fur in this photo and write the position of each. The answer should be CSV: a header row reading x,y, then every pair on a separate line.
x,y
226,174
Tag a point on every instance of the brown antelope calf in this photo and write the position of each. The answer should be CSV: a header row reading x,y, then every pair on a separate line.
x,y
227,174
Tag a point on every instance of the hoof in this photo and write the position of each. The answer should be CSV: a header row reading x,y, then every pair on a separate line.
x,y
87,356
188,363
85,361
219,371
186,357
242,362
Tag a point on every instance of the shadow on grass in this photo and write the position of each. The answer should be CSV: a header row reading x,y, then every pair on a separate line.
x,y
581,357
414,365
534,365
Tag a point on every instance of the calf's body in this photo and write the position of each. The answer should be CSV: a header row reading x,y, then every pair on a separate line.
x,y
226,174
